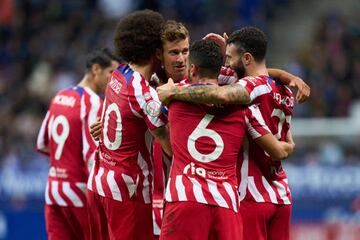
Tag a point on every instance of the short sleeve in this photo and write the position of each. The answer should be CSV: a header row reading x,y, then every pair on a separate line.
x,y
145,102
255,86
255,123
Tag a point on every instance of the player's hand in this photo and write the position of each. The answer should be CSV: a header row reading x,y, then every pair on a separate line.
x,y
218,39
96,129
303,90
166,92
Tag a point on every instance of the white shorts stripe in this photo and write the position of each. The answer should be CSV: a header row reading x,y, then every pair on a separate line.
x,y
91,176
156,228
269,189
180,188
282,192
55,193
254,191
47,197
74,198
114,188
167,192
216,194
231,194
98,182
130,184
145,171
198,193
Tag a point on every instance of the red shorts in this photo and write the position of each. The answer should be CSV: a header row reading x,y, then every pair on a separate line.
x,y
265,221
66,222
111,219
192,220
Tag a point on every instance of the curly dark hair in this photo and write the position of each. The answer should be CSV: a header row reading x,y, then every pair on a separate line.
x,y
207,56
250,39
137,35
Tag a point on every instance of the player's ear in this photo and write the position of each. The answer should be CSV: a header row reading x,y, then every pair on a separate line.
x,y
158,53
247,58
95,68
193,70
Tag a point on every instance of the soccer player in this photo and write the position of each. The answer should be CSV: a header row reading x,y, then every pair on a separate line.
x,y
266,206
174,56
119,186
65,136
201,196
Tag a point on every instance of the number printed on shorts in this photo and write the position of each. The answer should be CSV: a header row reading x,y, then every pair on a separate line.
x,y
282,117
202,131
59,138
112,145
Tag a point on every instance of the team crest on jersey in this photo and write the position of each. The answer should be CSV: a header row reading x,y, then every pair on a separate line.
x,y
153,108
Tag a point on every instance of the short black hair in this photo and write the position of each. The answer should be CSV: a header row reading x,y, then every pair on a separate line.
x,y
207,56
137,36
250,39
101,56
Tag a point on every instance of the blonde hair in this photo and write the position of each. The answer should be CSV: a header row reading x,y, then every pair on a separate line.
x,y
173,31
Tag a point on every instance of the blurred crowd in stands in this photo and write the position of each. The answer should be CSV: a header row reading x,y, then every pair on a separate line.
x,y
42,44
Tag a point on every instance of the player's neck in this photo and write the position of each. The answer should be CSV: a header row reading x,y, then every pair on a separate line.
x,y
257,70
86,81
145,70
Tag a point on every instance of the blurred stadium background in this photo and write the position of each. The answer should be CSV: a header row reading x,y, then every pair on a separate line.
x,y
42,44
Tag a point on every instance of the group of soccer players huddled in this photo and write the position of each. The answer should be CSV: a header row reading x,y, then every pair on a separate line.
x,y
186,144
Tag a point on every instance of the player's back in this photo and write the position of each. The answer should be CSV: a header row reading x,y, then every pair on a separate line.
x,y
267,180
63,135
205,143
124,166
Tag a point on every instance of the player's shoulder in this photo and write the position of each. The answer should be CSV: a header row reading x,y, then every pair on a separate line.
x,y
255,80
280,87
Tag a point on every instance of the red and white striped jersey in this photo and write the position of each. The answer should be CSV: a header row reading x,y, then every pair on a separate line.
x,y
123,167
206,143
162,164
262,179
65,136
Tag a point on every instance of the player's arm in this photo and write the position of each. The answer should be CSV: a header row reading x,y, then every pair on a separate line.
x,y
229,94
286,78
262,135
276,149
163,136
42,139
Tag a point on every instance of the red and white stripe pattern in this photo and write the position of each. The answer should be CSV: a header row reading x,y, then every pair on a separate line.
x,y
192,177
122,172
262,179
254,186
91,107
162,164
77,108
206,191
65,194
